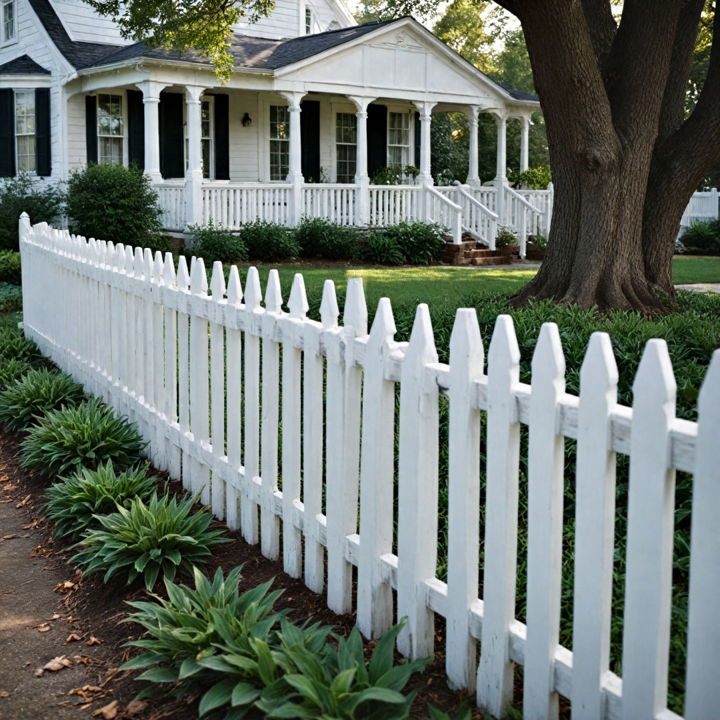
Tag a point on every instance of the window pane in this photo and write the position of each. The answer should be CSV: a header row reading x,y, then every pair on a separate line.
x,y
205,115
109,115
279,159
9,20
206,158
279,122
110,150
26,153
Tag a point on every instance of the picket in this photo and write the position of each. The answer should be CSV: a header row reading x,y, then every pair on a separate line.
x,y
187,368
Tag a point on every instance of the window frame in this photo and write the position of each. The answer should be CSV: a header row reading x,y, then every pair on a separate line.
x,y
123,119
405,148
4,38
309,20
33,134
338,143
285,141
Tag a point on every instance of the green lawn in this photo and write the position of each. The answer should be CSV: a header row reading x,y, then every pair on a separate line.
x,y
447,284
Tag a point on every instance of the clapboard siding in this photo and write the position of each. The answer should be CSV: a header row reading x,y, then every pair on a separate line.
x,y
84,24
76,132
288,19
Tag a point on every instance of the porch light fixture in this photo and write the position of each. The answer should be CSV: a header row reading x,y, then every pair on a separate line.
x,y
246,120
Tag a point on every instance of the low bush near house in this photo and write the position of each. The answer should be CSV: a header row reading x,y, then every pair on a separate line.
x,y
213,242
82,436
112,202
421,243
701,238
535,178
505,238
10,267
268,242
72,502
14,345
163,536
11,370
380,249
42,202
320,238
10,298
33,395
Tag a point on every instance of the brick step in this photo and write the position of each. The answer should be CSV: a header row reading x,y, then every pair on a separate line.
x,y
494,260
480,252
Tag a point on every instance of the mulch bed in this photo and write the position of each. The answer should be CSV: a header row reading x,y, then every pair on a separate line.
x,y
97,610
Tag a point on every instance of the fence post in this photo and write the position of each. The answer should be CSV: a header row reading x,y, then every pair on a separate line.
x,y
594,527
417,489
234,399
466,366
650,526
171,362
495,673
549,208
374,596
217,390
183,286
702,696
158,397
545,507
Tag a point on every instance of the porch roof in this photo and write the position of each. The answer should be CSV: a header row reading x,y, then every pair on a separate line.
x,y
23,65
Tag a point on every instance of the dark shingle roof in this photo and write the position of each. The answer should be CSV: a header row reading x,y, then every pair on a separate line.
x,y
23,65
518,94
78,54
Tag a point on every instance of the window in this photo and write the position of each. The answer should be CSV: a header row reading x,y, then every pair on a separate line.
x,y
346,147
8,20
308,20
110,129
279,142
398,154
25,130
207,135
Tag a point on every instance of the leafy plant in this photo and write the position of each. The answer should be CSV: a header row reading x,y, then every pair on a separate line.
x,y
534,178
12,369
320,238
82,436
505,238
421,243
214,242
435,714
268,241
43,203
112,202
380,249
14,345
165,536
34,394
75,500
10,298
394,175
702,238
10,267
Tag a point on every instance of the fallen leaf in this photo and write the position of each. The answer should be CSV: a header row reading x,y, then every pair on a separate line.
x,y
57,663
109,712
10,537
24,501
73,637
65,586
93,641
55,616
6,694
41,551
87,660
32,525
43,628
135,707
5,502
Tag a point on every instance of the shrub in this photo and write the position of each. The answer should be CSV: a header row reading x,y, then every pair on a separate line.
x,y
10,267
43,203
10,298
421,243
702,238
74,500
141,540
214,242
505,238
319,238
394,175
381,250
35,394
535,178
82,436
112,202
268,241
12,369
14,345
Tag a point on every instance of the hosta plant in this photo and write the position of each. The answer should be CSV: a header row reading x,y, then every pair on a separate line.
x,y
13,344
75,500
33,395
12,369
163,536
82,436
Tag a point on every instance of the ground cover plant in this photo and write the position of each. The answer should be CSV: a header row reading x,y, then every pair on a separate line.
x,y
146,540
214,242
268,242
14,345
73,502
86,435
10,267
10,298
25,401
11,370
320,238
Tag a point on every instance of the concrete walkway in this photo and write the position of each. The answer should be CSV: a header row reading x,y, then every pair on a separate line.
x,y
701,287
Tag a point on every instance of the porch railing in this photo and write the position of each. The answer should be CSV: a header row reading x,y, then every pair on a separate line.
x,y
336,203
233,206
391,204
171,196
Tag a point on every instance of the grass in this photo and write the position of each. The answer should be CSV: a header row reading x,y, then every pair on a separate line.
x,y
688,269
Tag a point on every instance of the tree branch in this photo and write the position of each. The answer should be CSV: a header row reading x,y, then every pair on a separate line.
x,y
602,27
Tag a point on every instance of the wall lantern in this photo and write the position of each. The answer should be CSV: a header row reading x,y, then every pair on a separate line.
x,y
246,120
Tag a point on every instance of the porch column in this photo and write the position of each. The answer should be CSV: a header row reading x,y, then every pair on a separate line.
x,y
473,176
295,176
524,142
501,166
151,101
362,180
194,173
425,110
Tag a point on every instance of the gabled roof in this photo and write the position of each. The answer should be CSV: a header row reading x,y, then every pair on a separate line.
x,y
23,65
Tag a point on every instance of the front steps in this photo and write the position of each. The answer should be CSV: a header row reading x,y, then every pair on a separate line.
x,y
471,252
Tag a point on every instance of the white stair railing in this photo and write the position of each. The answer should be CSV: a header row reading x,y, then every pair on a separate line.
x,y
521,217
477,219
443,211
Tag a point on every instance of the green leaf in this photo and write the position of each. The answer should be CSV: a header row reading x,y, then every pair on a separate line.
x,y
218,695
306,687
244,694
289,710
382,658
378,695
159,675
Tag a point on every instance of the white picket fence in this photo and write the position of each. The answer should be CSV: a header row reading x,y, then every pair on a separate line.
x,y
210,378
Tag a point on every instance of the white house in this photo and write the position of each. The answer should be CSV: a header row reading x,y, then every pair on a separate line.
x,y
316,105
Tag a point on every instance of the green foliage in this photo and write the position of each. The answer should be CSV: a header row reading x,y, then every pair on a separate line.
x,y
534,178
268,241
163,537
42,202
82,436
380,249
10,267
74,500
23,403
394,175
11,370
435,714
214,242
702,238
505,238
10,298
320,238
112,202
14,345
420,243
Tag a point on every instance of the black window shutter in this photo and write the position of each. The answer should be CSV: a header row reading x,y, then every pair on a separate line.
x,y
377,138
43,160
222,137
91,142
136,129
172,140
7,132
417,140
310,140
